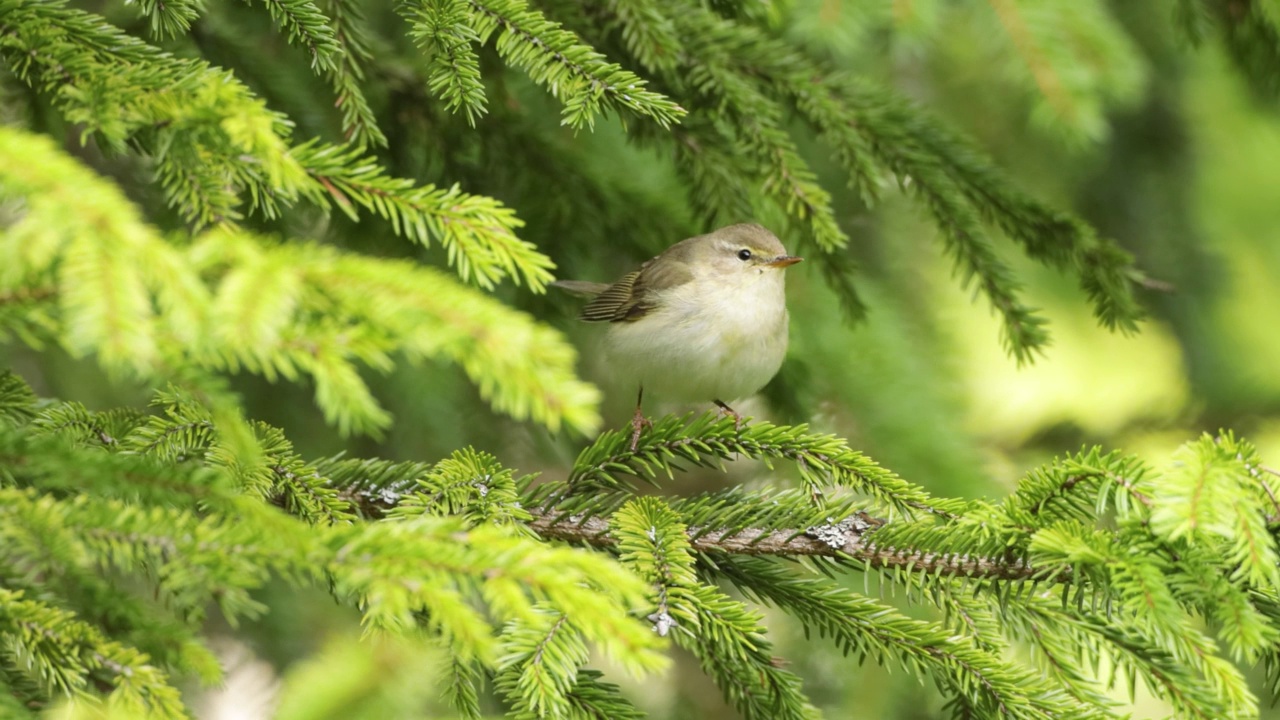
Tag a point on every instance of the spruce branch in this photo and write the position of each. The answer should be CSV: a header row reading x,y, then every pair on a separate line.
x,y
443,567
67,656
869,125
1038,536
1250,31
210,138
305,25
1210,492
443,29
1078,60
56,575
456,581
576,73
347,77
477,232
847,542
538,681
170,18
462,689
103,290
193,559
725,636
1242,616
187,429
713,76
1077,487
57,464
232,301
470,484
593,699
459,548
17,400
1196,696
710,439
522,368
859,625
649,33
1058,633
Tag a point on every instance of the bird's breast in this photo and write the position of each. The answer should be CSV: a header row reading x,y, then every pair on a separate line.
x,y
706,342
740,312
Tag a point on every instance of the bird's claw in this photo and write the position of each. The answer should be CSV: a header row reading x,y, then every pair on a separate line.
x,y
638,423
727,411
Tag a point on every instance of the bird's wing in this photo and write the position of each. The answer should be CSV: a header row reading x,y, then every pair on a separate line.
x,y
614,303
632,297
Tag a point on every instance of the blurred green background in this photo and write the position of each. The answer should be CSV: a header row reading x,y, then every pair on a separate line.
x,y
1103,108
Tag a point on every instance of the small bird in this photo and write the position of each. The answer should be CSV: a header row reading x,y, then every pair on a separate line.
x,y
705,320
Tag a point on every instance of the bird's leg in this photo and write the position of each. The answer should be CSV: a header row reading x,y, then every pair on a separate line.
x,y
638,421
730,412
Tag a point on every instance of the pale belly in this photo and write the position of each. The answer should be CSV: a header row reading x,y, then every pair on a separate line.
x,y
698,352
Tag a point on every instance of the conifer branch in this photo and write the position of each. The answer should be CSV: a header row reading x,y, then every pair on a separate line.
x,y
554,57
1250,31
845,541
712,77
443,29
462,688
984,680
231,301
538,681
465,533
724,635
17,400
306,25
592,699
202,168
710,439
347,76
197,123
413,570
959,189
477,232
1077,60
850,539
1045,75
86,660
170,18
649,33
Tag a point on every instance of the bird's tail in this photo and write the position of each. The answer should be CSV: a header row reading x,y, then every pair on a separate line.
x,y
581,287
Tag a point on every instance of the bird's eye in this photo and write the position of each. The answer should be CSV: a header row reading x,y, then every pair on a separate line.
x,y
744,254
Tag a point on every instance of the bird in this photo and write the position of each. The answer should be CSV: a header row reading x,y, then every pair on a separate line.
x,y
706,320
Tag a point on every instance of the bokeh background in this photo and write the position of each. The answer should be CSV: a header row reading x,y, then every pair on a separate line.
x,y
1105,108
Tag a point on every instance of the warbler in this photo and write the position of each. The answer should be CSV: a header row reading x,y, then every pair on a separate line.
x,y
704,321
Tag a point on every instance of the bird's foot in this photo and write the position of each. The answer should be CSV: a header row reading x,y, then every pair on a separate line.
x,y
730,412
638,423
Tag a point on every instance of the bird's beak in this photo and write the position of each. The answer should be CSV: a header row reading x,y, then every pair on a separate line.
x,y
783,260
